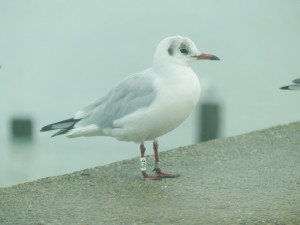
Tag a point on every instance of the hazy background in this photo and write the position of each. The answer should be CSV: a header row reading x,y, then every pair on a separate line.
x,y
57,56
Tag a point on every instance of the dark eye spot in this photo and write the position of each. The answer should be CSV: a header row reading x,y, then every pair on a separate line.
x,y
184,51
170,51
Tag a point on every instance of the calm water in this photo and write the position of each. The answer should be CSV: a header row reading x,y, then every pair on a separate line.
x,y
58,56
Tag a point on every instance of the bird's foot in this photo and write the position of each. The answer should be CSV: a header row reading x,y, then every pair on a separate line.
x,y
147,176
165,175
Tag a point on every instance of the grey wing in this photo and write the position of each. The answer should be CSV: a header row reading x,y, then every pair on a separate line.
x,y
86,111
134,92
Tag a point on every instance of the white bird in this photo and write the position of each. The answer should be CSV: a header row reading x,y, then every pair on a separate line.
x,y
145,105
295,86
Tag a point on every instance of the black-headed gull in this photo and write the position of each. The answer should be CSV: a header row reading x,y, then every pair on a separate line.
x,y
295,86
145,105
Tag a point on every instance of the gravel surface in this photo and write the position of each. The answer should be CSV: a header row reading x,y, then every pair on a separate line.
x,y
248,179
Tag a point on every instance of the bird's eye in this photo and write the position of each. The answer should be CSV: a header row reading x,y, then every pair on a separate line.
x,y
184,51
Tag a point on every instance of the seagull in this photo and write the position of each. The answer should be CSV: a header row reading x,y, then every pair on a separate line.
x,y
144,105
295,86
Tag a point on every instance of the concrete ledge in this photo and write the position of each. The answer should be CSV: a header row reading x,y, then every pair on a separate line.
x,y
248,179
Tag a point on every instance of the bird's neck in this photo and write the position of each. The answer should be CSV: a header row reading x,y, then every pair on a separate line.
x,y
168,67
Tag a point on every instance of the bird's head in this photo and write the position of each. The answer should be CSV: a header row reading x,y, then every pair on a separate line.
x,y
179,50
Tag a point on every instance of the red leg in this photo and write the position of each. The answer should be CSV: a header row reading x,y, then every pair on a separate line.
x,y
143,165
157,167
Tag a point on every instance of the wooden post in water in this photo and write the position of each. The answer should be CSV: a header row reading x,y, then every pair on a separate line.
x,y
21,128
210,118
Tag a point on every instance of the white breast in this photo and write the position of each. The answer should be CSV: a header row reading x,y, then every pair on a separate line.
x,y
176,99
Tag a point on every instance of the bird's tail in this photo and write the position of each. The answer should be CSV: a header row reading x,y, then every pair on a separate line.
x,y
64,126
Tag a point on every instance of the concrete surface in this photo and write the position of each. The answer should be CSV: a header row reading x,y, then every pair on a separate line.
x,y
248,179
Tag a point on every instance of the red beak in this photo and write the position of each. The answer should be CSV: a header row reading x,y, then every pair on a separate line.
x,y
206,57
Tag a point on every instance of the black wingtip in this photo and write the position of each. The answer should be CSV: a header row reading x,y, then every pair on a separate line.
x,y
69,123
285,88
57,133
46,128
215,58
62,131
